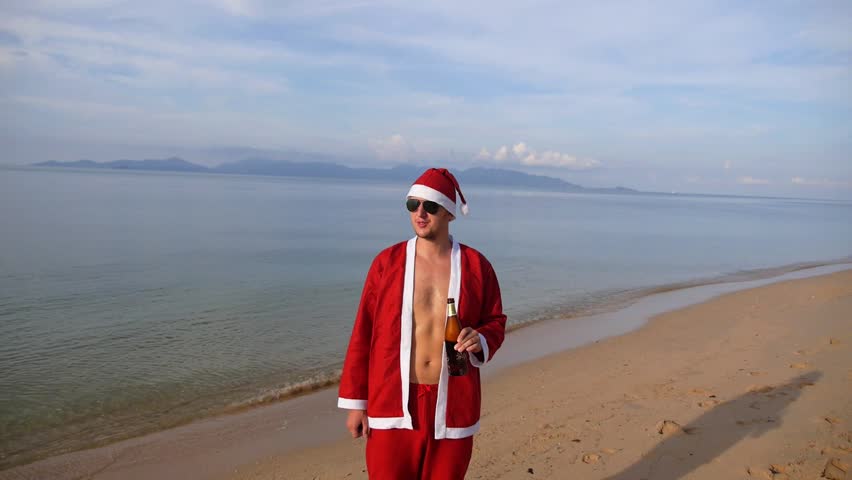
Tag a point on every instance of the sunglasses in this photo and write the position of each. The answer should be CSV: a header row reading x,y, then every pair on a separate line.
x,y
412,204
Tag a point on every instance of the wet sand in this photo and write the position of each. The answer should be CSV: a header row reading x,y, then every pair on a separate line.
x,y
737,384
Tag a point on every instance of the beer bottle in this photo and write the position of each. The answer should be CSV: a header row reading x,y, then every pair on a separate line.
x,y
456,361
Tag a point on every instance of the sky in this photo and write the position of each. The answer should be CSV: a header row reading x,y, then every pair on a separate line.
x,y
732,97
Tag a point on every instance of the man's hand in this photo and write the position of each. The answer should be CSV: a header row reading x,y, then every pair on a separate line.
x,y
468,341
356,423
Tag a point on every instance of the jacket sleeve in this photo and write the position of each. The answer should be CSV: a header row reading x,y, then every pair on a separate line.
x,y
353,380
492,326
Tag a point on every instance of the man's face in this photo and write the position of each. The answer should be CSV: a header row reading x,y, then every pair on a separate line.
x,y
429,225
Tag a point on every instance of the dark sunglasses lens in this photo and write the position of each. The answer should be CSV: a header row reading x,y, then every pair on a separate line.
x,y
411,204
430,207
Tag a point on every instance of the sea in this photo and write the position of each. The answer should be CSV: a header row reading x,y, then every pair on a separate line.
x,y
132,302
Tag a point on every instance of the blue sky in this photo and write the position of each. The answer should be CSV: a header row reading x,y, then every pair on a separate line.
x,y
722,97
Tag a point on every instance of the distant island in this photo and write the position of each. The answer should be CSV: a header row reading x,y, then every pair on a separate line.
x,y
285,168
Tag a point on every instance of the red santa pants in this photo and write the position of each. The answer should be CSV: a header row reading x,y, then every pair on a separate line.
x,y
401,454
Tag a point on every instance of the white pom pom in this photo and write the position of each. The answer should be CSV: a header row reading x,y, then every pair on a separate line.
x,y
464,208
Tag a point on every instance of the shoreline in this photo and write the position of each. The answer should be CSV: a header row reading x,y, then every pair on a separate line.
x,y
608,304
302,422
598,305
622,299
752,384
587,190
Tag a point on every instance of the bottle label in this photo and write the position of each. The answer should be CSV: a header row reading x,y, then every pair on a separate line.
x,y
456,361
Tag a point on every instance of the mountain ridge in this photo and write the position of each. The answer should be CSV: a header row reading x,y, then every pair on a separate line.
x,y
269,167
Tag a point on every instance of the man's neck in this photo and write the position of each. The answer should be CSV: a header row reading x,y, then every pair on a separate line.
x,y
434,248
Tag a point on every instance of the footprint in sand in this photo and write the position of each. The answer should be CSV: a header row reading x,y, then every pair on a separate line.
x,y
835,452
835,469
670,427
759,472
753,421
760,389
774,472
710,403
800,366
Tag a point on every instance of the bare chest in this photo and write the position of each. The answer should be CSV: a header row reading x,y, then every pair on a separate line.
x,y
431,287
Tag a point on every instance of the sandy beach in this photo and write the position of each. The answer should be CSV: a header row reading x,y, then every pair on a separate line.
x,y
751,384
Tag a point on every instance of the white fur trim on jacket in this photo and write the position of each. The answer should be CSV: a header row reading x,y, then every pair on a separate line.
x,y
351,403
441,430
473,359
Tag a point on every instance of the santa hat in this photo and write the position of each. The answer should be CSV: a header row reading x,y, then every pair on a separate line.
x,y
440,186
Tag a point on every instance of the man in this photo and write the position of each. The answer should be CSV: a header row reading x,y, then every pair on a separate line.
x,y
419,421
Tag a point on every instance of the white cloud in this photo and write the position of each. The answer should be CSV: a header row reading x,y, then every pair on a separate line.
x,y
559,160
241,8
830,32
752,181
483,154
7,58
819,182
143,124
74,106
714,48
55,48
753,130
395,147
525,155
502,154
727,164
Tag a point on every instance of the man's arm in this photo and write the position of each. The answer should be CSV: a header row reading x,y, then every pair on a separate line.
x,y
353,391
492,327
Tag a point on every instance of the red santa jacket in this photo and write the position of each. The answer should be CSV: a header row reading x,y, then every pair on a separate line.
x,y
377,366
